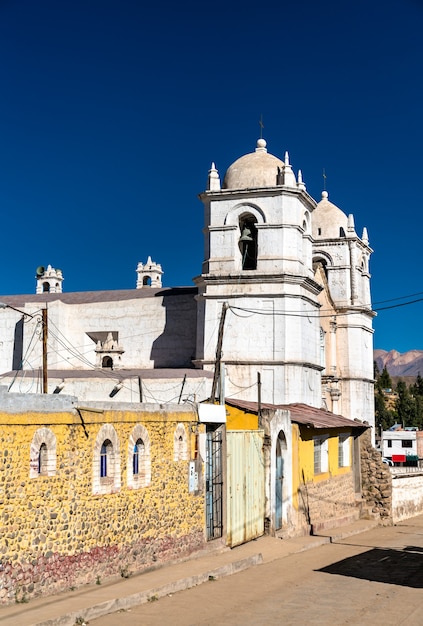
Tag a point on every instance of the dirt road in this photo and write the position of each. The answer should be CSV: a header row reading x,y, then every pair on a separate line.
x,y
373,578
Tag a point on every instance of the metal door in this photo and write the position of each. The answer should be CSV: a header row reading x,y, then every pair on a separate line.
x,y
245,467
214,485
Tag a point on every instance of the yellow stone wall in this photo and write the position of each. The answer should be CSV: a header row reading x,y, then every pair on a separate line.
x,y
56,534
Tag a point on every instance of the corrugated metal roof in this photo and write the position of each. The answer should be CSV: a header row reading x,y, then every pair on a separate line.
x,y
302,414
85,297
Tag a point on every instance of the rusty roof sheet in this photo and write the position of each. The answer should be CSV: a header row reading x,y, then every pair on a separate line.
x,y
302,414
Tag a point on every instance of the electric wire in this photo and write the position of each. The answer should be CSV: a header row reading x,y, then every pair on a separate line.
x,y
70,348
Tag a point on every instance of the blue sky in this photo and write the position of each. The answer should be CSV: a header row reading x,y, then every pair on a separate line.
x,y
112,112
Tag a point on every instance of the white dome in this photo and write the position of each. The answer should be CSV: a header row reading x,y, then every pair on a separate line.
x,y
328,221
254,170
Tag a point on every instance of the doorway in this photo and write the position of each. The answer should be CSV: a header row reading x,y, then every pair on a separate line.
x,y
214,485
279,471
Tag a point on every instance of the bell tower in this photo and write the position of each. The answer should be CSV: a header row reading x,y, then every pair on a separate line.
x,y
258,263
48,280
341,262
149,274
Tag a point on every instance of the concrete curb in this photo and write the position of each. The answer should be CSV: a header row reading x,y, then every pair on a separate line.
x,y
339,533
95,603
118,604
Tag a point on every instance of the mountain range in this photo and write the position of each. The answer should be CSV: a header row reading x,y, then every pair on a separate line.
x,y
406,364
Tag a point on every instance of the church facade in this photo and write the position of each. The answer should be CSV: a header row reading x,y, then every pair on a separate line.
x,y
281,312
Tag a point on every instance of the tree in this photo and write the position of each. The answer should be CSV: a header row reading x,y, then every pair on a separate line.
x,y
405,405
418,386
384,418
385,381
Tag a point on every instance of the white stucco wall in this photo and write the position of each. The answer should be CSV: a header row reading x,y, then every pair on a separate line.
x,y
407,496
154,331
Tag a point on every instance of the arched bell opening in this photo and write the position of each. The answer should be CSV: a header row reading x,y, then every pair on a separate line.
x,y
248,242
107,362
322,262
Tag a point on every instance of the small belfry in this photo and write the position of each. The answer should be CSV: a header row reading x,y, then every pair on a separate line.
x,y
109,351
48,280
149,274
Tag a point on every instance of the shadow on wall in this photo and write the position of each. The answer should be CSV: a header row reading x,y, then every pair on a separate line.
x,y
175,347
18,346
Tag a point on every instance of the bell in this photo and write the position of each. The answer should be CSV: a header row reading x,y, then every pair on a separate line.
x,y
245,235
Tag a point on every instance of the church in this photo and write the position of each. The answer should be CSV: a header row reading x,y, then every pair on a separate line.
x,y
280,313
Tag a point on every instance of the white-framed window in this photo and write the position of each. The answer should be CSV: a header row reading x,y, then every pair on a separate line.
x,y
106,461
180,444
139,459
344,450
321,449
42,454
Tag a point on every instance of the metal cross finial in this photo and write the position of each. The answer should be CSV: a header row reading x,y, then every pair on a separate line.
x,y
324,179
261,126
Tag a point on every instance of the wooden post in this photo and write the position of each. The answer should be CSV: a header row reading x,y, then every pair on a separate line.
x,y
182,388
218,351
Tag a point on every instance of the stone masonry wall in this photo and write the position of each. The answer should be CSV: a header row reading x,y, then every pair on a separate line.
x,y
329,501
56,534
376,481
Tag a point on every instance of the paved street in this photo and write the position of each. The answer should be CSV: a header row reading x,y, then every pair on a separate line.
x,y
375,578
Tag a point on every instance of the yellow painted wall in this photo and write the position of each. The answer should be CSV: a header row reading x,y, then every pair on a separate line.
x,y
304,436
318,498
51,516
238,419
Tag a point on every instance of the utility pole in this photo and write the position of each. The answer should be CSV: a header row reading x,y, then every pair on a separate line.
x,y
218,351
44,324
